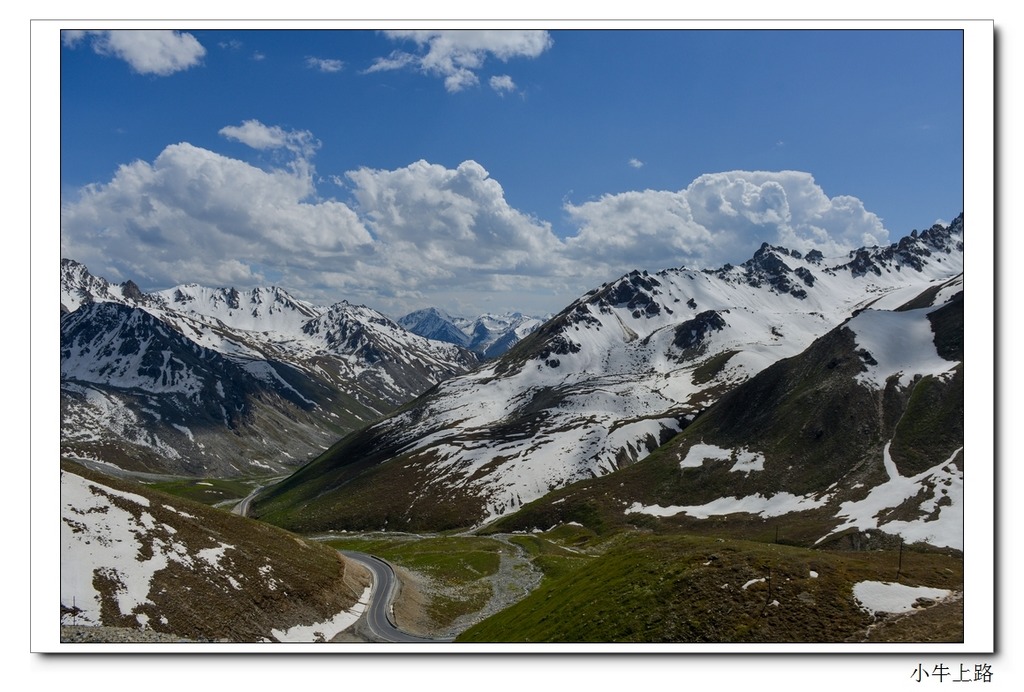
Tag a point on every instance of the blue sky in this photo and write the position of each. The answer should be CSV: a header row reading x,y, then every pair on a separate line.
x,y
495,171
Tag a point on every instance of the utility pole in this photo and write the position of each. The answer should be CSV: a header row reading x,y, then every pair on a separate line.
x,y
899,565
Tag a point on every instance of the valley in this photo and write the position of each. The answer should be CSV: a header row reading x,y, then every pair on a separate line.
x,y
765,453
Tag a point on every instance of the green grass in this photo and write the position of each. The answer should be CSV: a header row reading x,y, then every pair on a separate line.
x,y
629,585
932,426
707,370
208,491
678,588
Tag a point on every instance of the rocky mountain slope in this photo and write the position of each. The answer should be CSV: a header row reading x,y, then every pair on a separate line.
x,y
617,374
136,559
204,381
855,441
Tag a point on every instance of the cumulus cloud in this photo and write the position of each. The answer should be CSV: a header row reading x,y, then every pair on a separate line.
x,y
440,222
194,215
425,233
636,163
720,218
457,56
148,51
324,64
648,229
783,207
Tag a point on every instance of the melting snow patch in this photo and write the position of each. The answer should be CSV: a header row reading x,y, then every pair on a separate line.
x,y
212,556
746,461
96,534
941,518
776,505
327,630
185,431
900,343
875,596
178,512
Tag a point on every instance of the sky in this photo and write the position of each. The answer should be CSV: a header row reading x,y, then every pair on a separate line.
x,y
490,171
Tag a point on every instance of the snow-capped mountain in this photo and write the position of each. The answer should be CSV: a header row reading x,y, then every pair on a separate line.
x,y
79,287
612,377
860,436
436,324
260,309
488,335
219,381
492,335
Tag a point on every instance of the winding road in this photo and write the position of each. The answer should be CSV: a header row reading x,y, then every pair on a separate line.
x,y
378,616
379,613
243,506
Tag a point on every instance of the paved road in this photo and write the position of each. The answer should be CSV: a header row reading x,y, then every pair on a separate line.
x,y
379,616
243,506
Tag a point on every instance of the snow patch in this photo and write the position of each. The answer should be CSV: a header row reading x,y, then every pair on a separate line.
x,y
900,344
774,506
941,520
880,596
745,460
328,629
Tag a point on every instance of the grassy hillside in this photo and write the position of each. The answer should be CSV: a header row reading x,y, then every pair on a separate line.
x,y
350,486
646,588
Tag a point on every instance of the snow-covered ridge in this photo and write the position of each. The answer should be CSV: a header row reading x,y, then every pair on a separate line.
x,y
269,309
79,287
625,366
223,355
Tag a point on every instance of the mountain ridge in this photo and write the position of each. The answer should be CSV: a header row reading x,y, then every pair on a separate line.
x,y
200,380
602,384
488,335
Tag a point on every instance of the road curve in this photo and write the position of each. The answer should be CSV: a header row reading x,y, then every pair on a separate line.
x,y
378,615
242,507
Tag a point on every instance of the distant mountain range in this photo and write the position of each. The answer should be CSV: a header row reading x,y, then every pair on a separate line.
x,y
489,335
203,381
789,384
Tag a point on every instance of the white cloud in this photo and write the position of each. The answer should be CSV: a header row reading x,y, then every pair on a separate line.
x,y
194,215
502,84
424,233
636,163
720,218
458,55
159,52
783,207
324,64
437,222
255,134
652,229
